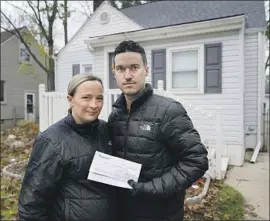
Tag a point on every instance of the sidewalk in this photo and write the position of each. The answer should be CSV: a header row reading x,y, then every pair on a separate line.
x,y
252,181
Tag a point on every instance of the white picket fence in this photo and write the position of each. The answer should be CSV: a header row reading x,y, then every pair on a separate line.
x,y
53,106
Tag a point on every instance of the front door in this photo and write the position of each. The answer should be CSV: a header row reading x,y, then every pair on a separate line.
x,y
112,82
29,107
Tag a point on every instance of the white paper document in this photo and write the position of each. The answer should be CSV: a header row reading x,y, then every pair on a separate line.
x,y
113,171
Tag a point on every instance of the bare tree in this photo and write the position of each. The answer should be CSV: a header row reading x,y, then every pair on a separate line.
x,y
86,8
42,15
64,13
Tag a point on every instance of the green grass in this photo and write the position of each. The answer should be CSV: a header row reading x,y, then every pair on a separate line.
x,y
10,189
230,203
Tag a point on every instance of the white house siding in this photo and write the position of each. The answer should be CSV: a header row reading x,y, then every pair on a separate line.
x,y
229,100
251,89
76,52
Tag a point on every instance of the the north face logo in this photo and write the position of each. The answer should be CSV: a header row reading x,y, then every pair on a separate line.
x,y
146,127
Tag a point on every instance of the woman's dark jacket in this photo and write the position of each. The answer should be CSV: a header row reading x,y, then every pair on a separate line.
x,y
55,186
158,134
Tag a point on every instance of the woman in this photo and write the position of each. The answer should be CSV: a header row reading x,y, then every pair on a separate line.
x,y
55,185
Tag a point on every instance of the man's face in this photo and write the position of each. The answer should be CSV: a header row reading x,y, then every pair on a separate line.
x,y
130,72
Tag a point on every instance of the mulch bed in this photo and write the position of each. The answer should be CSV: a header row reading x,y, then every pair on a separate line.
x,y
206,209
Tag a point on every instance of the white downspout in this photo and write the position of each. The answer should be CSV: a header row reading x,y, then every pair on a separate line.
x,y
199,198
242,90
260,93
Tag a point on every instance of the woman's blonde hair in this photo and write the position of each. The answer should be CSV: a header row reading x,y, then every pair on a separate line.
x,y
79,79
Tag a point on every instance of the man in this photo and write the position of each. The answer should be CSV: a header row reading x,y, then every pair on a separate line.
x,y
156,132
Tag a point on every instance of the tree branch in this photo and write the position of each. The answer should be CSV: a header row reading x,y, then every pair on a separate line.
x,y
51,20
47,10
38,18
18,34
25,12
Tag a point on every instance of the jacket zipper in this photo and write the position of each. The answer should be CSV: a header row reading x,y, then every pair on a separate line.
x,y
125,137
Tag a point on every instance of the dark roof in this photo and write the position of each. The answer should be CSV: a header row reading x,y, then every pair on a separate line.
x,y
7,34
166,13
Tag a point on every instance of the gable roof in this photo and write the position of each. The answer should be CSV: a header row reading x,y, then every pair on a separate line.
x,y
105,2
7,34
166,13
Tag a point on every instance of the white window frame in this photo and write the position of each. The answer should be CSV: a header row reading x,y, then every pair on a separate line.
x,y
5,92
83,66
200,88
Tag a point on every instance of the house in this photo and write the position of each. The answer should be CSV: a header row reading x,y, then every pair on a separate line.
x,y
208,53
20,77
267,94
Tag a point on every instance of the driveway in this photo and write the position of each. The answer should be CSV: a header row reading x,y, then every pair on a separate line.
x,y
252,181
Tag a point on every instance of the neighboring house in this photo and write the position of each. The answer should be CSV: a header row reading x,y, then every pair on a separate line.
x,y
19,84
208,52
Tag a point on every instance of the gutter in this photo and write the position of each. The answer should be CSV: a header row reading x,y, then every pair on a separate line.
x,y
220,25
260,95
199,198
256,152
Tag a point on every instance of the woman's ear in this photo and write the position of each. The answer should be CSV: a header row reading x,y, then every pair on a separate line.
x,y
69,98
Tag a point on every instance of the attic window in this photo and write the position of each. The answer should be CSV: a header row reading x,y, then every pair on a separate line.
x,y
24,54
104,17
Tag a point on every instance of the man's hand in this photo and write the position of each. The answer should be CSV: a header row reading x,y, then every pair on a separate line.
x,y
146,189
137,187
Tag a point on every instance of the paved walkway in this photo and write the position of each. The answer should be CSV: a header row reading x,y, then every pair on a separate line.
x,y
252,181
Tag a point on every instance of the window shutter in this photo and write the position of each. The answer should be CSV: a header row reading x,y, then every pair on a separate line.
x,y
213,72
75,69
158,67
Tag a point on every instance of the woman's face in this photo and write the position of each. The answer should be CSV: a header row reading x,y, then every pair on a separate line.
x,y
87,102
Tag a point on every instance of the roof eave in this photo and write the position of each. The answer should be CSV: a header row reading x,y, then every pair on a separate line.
x,y
223,24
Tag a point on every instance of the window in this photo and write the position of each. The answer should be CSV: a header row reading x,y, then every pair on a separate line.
x,y
88,69
75,69
2,91
24,54
186,69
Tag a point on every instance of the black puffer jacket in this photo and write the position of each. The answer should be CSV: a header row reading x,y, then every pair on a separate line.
x,y
55,185
158,134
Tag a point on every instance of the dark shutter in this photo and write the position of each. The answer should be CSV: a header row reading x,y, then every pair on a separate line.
x,y
112,82
2,91
75,69
213,72
158,67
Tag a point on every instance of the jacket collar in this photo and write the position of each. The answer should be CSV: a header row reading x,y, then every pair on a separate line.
x,y
140,100
83,129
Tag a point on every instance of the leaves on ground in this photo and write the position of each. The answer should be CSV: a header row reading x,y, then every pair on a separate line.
x,y
10,187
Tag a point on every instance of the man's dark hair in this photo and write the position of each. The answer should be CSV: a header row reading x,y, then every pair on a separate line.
x,y
130,46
